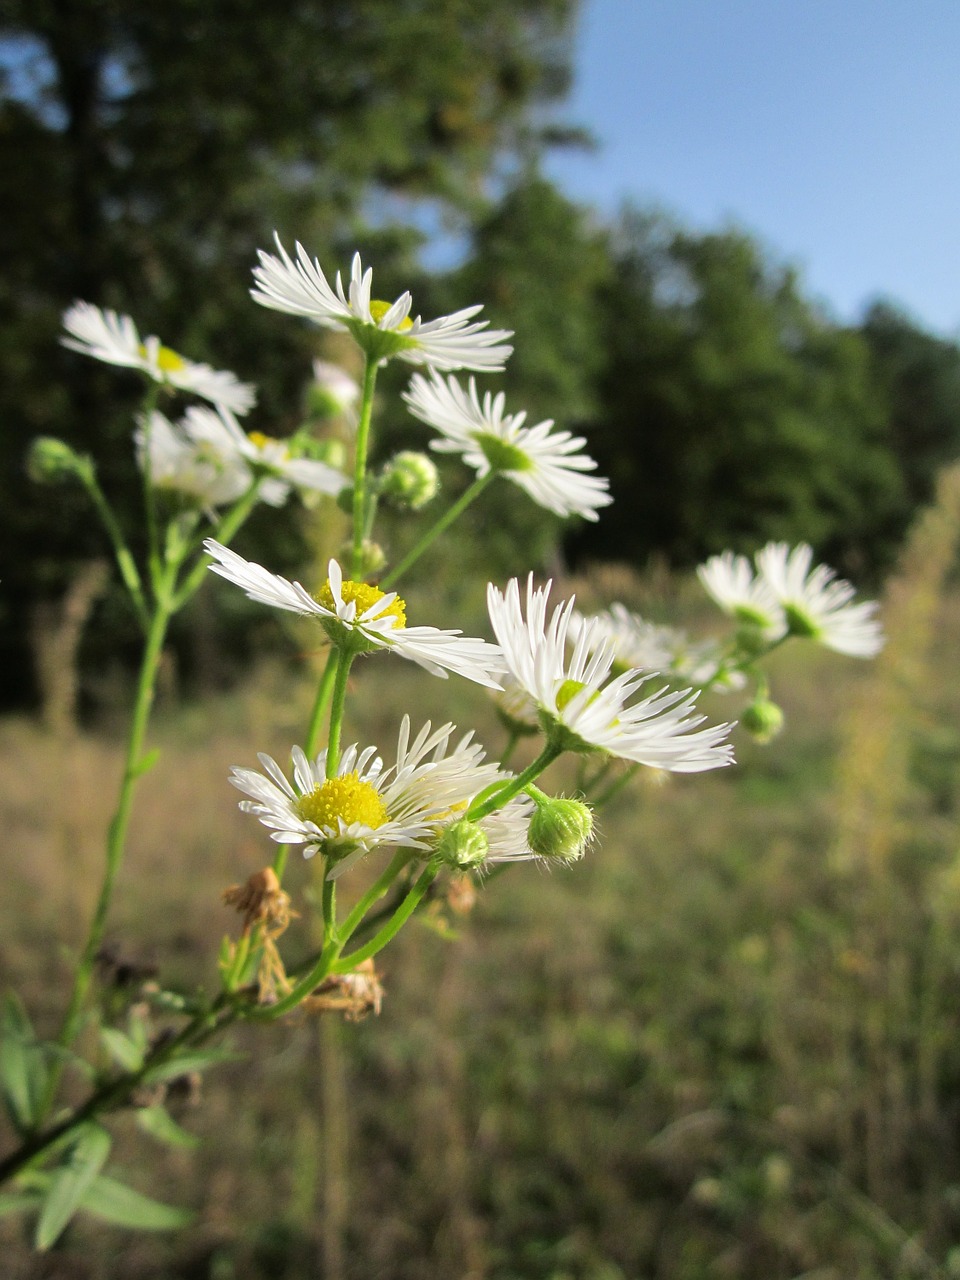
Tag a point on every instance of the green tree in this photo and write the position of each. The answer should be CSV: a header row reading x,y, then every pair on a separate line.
x,y
733,411
146,151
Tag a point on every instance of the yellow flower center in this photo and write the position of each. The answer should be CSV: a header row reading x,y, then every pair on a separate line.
x,y
364,595
260,440
379,309
346,797
167,361
568,691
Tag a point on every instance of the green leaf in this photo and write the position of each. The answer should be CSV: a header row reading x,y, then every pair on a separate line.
x,y
122,1049
18,1202
70,1183
162,1126
186,1063
113,1202
23,1069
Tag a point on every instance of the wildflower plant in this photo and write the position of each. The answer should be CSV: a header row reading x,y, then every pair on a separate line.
x,y
383,823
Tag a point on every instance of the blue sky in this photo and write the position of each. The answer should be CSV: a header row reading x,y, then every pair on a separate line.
x,y
829,128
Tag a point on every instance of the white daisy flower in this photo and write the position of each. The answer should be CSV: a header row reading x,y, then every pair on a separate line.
x,y
332,391
382,329
507,832
286,471
730,580
583,712
365,806
195,458
113,338
817,604
546,464
652,647
363,617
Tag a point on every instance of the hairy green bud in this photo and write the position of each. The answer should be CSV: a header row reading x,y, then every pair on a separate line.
x,y
410,480
763,719
51,461
463,844
560,829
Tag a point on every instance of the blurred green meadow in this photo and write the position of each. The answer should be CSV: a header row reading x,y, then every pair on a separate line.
x,y
725,1044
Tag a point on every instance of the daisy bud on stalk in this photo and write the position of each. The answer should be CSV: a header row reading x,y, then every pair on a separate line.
x,y
763,720
463,844
410,480
52,461
561,828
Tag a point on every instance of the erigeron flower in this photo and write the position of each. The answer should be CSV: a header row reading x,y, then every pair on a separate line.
x,y
365,806
114,339
579,709
817,604
363,618
652,647
548,465
730,580
195,458
285,470
382,329
332,390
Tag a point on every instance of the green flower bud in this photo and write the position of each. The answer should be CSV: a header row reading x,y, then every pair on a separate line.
x,y
463,844
51,461
560,829
763,719
331,393
410,480
372,557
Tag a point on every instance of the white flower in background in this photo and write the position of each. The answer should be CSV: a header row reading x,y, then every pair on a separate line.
x,y
362,616
650,646
548,465
285,470
730,580
114,339
365,806
579,708
196,458
382,329
332,391
515,706
817,604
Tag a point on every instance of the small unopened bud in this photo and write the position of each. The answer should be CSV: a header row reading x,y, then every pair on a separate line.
x,y
753,638
463,844
410,480
560,829
332,391
372,557
763,719
51,461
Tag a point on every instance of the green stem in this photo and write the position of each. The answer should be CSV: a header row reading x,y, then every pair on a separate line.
x,y
125,561
116,838
394,924
360,464
149,494
345,660
444,523
376,891
224,531
321,702
614,787
515,785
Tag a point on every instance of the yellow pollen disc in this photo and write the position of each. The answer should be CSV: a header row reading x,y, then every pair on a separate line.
x,y
345,797
259,439
379,309
167,361
364,595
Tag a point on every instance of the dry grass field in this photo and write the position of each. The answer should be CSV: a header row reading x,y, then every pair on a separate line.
x,y
725,1045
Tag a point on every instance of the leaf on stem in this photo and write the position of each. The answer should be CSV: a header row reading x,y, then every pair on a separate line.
x,y
70,1183
23,1067
162,1126
113,1202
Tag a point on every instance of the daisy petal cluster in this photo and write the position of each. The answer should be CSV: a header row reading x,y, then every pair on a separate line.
x,y
360,616
786,596
114,339
209,458
548,465
299,287
195,458
650,646
818,604
365,806
581,708
730,581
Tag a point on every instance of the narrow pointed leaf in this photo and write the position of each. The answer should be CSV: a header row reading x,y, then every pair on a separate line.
x,y
18,1202
162,1126
122,1049
113,1202
70,1183
198,1061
